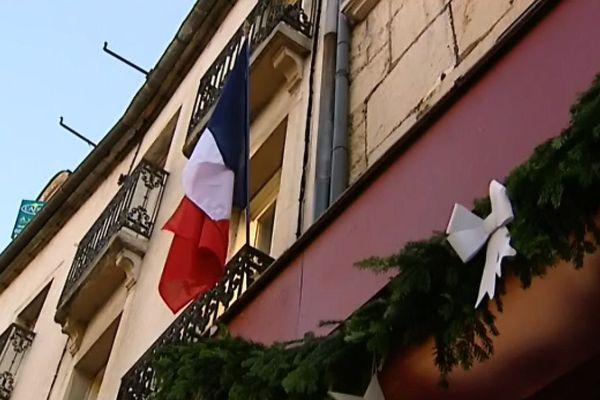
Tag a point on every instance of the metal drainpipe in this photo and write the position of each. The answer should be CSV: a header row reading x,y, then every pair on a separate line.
x,y
326,110
339,157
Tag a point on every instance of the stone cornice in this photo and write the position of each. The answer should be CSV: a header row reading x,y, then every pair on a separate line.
x,y
358,10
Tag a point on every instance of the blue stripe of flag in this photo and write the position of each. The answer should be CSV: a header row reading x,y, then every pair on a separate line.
x,y
229,125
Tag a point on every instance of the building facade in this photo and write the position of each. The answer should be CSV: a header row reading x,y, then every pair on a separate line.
x,y
369,119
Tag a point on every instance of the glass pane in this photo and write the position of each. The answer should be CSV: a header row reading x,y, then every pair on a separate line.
x,y
265,229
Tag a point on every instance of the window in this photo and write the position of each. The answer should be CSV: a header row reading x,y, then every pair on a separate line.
x,y
159,149
16,340
265,169
88,374
94,389
14,343
262,214
262,218
263,229
28,317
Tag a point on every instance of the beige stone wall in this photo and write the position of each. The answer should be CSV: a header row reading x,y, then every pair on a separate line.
x,y
405,55
52,264
143,314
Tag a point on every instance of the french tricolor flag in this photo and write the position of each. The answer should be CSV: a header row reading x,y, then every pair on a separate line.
x,y
214,180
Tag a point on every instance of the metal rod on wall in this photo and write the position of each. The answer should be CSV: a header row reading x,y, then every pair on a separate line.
x,y
74,132
123,59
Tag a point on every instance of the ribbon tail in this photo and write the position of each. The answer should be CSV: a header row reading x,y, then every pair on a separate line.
x,y
374,391
498,248
488,282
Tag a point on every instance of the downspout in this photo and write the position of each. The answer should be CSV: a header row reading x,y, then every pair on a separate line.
x,y
326,110
309,116
339,156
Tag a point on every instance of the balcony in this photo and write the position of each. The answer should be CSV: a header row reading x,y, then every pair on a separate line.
x,y
280,32
109,253
197,319
14,343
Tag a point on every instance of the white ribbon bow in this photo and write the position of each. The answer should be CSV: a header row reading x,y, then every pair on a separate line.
x,y
373,392
467,233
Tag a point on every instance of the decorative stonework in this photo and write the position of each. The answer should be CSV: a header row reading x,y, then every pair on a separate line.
x,y
290,64
74,330
130,263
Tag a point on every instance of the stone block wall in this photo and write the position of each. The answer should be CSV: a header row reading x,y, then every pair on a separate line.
x,y
405,55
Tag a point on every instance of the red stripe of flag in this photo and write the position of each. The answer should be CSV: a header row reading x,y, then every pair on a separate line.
x,y
197,256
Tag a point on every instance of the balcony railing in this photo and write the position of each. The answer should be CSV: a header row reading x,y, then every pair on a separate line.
x,y
195,321
14,342
134,206
263,19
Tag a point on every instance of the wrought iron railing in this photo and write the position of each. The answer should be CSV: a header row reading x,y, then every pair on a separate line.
x,y
195,321
134,206
14,342
263,19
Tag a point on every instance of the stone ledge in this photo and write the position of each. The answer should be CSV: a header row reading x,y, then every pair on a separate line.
x,y
358,10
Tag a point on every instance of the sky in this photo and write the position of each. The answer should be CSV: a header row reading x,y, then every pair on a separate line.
x,y
52,65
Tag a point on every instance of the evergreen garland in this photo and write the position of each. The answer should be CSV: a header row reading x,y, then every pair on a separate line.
x,y
555,196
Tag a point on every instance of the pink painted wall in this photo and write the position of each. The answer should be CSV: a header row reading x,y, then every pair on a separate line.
x,y
517,105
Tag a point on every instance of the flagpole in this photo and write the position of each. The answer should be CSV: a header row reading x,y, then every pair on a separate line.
x,y
246,29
